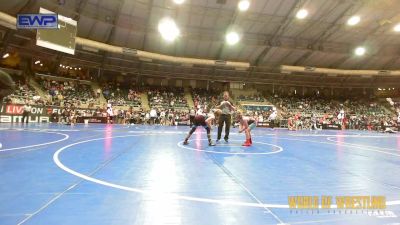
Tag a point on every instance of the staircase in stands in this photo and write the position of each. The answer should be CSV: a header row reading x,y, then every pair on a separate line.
x,y
189,98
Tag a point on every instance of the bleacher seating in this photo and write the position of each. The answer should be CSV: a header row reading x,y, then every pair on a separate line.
x,y
167,98
121,95
204,97
251,98
23,92
62,92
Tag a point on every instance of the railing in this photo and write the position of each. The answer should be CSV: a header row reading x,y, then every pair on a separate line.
x,y
63,78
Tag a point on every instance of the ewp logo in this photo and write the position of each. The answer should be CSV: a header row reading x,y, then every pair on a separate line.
x,y
37,21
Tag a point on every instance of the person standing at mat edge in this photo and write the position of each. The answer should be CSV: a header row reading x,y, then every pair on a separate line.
x,y
26,113
226,107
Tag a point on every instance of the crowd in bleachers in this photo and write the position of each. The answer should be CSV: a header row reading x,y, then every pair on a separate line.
x,y
154,116
168,105
203,98
120,95
300,112
260,112
251,98
23,92
304,105
359,113
164,98
67,92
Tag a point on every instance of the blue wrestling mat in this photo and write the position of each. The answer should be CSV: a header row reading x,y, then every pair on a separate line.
x,y
116,174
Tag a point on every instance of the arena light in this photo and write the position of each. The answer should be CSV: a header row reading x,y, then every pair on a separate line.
x,y
360,51
179,1
41,64
232,38
397,28
354,20
244,5
301,14
37,62
79,68
168,29
6,55
61,65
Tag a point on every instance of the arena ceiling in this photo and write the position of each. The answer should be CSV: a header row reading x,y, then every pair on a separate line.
x,y
271,35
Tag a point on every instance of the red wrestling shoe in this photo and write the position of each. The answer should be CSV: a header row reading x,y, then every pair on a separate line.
x,y
247,143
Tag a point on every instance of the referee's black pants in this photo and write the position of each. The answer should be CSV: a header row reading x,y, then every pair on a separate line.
x,y
25,115
224,118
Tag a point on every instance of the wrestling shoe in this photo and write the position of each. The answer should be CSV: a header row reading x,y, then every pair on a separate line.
x,y
226,140
246,143
211,143
185,142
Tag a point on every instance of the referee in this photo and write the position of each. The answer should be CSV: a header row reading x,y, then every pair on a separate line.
x,y
26,113
226,107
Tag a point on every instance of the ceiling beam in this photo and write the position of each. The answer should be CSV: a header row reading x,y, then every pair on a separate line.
x,y
111,34
280,30
334,28
150,5
391,63
369,37
327,33
79,7
340,61
269,42
10,32
276,79
231,23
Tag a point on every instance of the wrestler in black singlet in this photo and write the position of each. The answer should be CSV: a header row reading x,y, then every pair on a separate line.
x,y
199,120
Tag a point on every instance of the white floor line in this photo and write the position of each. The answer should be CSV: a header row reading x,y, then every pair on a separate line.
x,y
335,143
56,159
47,204
55,198
66,136
15,214
240,183
321,221
361,146
280,149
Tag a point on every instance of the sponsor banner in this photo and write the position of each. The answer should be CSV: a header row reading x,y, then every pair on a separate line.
x,y
331,126
12,113
37,21
263,124
91,119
